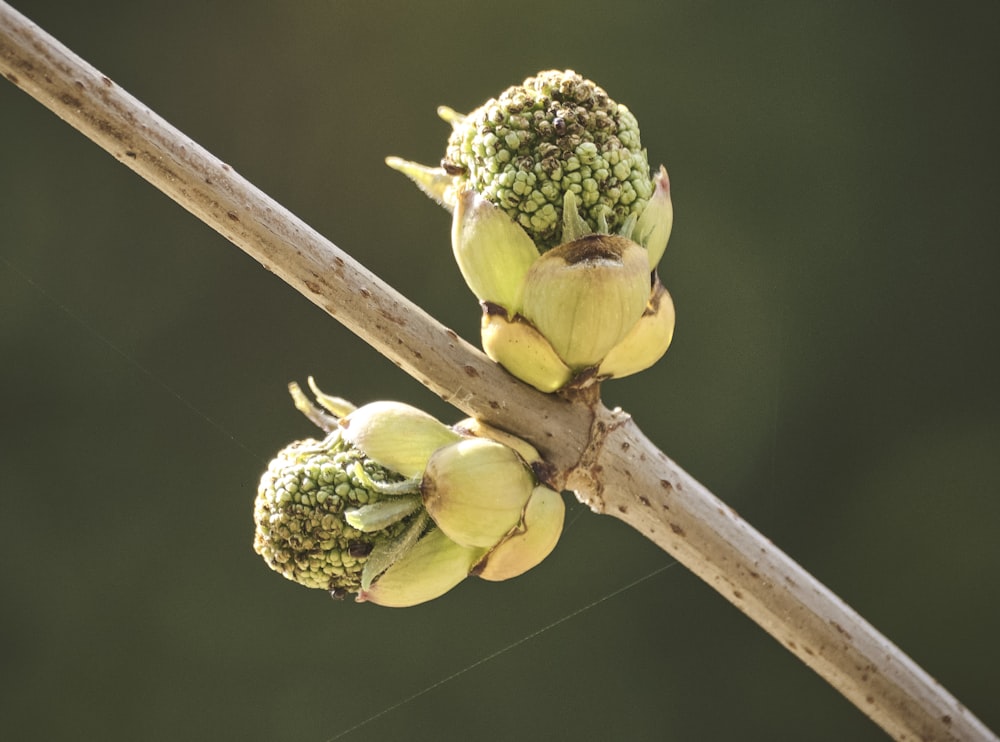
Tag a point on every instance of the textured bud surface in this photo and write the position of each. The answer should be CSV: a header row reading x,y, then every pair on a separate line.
x,y
299,513
556,132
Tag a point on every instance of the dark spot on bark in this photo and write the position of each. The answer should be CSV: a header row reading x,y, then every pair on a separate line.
x,y
644,500
808,651
417,353
107,81
870,699
232,216
792,645
12,77
665,484
365,293
753,574
451,334
494,405
737,594
130,153
470,371
69,100
226,167
622,509
312,286
946,719
626,446
677,529
642,457
840,629
339,262
78,85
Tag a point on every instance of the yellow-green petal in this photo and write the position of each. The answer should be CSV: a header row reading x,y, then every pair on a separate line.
x,y
533,540
431,568
493,253
646,342
397,436
653,228
476,490
520,348
585,296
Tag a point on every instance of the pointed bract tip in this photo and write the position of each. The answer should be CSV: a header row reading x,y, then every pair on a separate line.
x,y
433,181
450,115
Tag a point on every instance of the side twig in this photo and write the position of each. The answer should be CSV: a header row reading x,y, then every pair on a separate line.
x,y
599,453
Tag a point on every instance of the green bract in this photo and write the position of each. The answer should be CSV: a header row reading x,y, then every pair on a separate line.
x,y
397,507
558,228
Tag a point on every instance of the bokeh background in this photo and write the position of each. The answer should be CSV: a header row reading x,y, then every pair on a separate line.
x,y
834,374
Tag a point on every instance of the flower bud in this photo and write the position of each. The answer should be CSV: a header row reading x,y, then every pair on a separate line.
x,y
554,133
585,227
476,490
533,540
301,531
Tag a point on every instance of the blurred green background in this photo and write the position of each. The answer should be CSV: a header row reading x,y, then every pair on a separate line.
x,y
834,374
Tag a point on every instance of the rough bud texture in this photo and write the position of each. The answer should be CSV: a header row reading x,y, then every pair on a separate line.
x,y
299,514
556,132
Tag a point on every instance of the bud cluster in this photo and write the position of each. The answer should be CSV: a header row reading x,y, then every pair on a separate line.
x,y
558,228
398,508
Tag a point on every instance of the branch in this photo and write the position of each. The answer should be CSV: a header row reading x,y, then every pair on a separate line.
x,y
599,453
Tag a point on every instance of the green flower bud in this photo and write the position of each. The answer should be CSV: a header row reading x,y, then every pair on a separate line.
x,y
392,504
476,490
556,219
554,133
585,296
533,540
301,530
431,568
